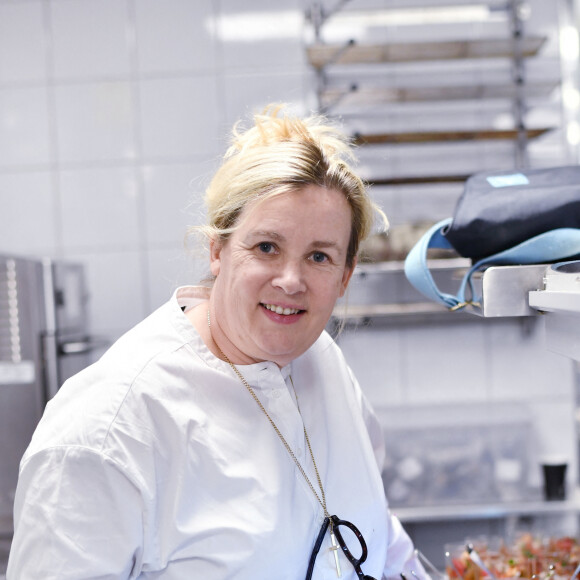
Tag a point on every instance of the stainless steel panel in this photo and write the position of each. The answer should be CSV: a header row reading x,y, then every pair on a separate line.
x,y
21,370
503,290
67,345
559,300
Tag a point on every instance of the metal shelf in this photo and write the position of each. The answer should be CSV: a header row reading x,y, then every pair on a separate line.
x,y
323,55
375,310
487,511
338,63
447,136
380,291
376,95
418,179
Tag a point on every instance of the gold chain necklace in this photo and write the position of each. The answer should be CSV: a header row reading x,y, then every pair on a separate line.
x,y
321,498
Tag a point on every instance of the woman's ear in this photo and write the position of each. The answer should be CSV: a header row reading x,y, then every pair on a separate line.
x,y
215,248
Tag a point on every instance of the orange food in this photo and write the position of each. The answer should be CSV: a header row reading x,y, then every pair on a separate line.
x,y
528,557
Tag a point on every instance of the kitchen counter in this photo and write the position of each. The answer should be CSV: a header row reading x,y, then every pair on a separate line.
x,y
498,510
433,527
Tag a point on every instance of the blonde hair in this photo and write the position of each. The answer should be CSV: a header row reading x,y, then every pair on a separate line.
x,y
281,154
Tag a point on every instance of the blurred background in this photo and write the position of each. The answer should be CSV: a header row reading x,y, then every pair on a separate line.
x,y
114,114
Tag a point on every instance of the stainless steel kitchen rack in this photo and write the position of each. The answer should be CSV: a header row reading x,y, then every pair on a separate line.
x,y
352,95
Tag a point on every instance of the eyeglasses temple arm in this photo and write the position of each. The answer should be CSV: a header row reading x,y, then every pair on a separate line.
x,y
316,548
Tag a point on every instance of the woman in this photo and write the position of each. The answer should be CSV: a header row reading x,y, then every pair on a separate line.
x,y
216,439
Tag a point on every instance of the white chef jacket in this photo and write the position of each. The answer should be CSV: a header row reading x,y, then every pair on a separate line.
x,y
155,462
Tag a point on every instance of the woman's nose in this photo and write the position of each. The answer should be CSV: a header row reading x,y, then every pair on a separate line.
x,y
290,278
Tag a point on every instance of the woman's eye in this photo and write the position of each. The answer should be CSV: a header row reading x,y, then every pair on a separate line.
x,y
319,257
266,247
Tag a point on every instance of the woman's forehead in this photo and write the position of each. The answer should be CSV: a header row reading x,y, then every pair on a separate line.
x,y
313,195
324,216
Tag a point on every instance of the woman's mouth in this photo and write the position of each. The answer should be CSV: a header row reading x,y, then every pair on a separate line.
x,y
280,310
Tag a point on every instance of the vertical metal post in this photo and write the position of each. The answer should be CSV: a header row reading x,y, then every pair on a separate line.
x,y
519,79
318,16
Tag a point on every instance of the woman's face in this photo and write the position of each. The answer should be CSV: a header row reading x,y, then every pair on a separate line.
x,y
279,275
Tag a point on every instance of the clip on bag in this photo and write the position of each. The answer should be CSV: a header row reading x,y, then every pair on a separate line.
x,y
525,217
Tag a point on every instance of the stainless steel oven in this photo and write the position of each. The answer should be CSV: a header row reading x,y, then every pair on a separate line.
x,y
44,339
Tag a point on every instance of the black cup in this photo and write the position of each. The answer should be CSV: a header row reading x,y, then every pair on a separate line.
x,y
554,481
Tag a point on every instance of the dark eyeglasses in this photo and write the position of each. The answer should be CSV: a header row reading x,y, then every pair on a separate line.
x,y
336,528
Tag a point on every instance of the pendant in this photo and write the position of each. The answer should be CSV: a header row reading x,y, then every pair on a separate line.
x,y
334,549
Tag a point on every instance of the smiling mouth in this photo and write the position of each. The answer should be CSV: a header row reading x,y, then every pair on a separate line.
x,y
280,310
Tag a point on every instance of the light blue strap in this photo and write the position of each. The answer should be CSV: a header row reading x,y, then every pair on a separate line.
x,y
416,268
550,246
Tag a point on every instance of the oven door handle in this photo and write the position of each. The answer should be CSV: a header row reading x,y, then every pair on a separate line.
x,y
82,346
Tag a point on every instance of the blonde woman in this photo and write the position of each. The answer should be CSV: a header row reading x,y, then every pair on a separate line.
x,y
225,437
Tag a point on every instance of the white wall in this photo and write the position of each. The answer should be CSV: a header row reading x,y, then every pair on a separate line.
x,y
463,371
112,116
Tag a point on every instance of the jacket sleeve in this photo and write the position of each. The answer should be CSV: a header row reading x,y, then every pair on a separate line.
x,y
64,531
402,558
401,554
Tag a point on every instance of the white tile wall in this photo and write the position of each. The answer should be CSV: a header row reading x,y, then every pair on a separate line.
x,y
94,122
180,117
175,36
90,39
113,114
245,93
170,268
277,35
24,127
28,213
376,357
100,209
513,369
23,42
174,200
454,355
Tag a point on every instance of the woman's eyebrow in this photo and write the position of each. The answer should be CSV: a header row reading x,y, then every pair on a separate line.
x,y
264,234
324,244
